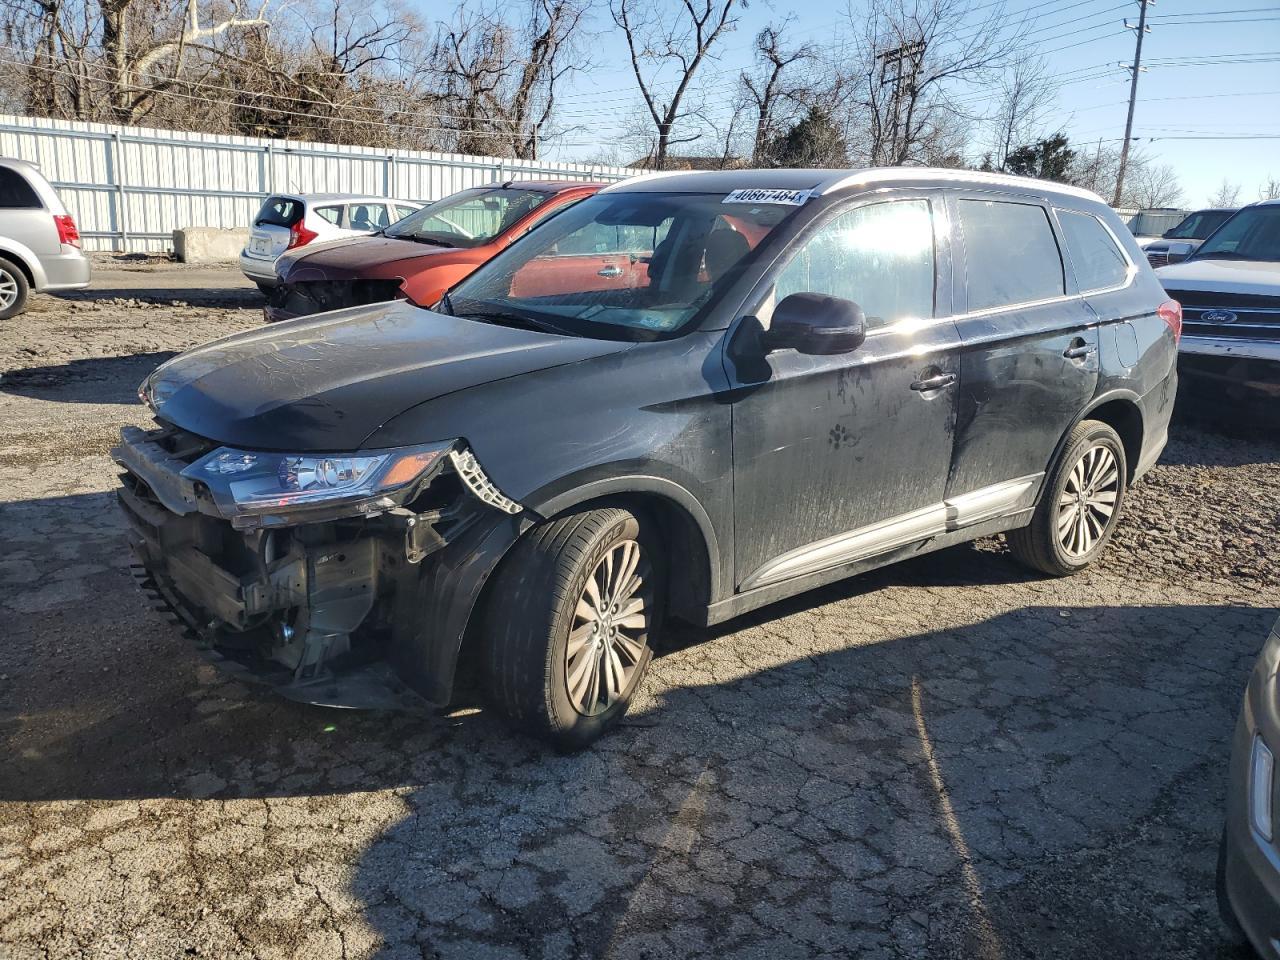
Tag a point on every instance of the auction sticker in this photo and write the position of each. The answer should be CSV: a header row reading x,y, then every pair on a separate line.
x,y
792,198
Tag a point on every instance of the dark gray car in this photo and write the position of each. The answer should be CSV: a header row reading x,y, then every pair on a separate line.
x,y
778,379
1249,861
39,241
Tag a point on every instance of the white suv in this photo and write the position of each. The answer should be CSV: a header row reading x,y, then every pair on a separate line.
x,y
286,221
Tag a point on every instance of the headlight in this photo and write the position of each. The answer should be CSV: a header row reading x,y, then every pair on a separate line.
x,y
246,483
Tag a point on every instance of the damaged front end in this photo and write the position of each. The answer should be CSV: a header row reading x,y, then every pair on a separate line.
x,y
345,580
302,298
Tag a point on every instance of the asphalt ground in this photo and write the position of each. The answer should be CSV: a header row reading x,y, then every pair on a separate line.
x,y
948,758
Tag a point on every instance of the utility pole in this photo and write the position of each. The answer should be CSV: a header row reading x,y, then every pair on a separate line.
x,y
1141,29
895,59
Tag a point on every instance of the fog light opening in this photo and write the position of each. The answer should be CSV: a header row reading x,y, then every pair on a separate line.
x,y
1261,787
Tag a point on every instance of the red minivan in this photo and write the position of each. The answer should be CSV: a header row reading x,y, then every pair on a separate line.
x,y
421,256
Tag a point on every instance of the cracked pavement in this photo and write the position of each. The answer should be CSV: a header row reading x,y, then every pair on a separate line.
x,y
948,758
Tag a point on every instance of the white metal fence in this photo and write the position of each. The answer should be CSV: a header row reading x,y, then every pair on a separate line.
x,y
129,188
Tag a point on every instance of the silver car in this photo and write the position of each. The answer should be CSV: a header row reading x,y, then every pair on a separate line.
x,y
39,242
1249,860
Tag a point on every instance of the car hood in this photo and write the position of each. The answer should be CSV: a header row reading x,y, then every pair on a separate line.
x,y
1225,276
327,383
354,256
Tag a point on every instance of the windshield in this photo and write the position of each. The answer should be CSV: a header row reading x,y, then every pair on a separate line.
x,y
1199,225
1252,234
1150,223
468,218
633,266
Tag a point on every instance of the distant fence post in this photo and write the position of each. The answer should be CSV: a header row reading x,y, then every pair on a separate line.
x,y
121,200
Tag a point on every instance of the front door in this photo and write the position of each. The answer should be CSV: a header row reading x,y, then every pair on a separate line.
x,y
837,458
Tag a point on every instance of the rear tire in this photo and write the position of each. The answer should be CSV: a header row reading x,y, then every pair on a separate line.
x,y
14,289
1080,505
566,632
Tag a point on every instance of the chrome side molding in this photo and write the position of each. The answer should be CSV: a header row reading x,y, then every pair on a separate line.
x,y
986,503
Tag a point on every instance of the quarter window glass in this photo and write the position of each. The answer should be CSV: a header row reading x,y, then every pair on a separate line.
x,y
15,192
1010,253
331,214
880,256
402,212
1097,260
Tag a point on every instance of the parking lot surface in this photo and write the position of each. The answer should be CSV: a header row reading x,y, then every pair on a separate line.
x,y
947,758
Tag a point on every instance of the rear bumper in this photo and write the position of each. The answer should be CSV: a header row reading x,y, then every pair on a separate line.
x,y
1250,873
67,271
365,612
257,269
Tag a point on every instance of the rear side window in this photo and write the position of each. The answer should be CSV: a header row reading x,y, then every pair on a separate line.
x,y
331,214
15,192
1011,255
279,211
880,256
1097,260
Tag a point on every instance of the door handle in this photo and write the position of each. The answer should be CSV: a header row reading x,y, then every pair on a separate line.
x,y
610,272
1079,350
934,383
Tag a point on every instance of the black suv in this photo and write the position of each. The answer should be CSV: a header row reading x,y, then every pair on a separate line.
x,y
689,395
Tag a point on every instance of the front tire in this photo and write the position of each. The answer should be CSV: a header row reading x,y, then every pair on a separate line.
x,y
14,289
1080,506
568,625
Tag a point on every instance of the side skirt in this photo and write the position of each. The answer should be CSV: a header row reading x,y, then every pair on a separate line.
x,y
761,596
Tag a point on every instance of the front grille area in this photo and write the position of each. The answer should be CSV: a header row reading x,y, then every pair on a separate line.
x,y
1242,316
318,296
1158,258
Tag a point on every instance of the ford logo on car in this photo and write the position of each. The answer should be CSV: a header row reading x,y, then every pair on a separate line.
x,y
1218,316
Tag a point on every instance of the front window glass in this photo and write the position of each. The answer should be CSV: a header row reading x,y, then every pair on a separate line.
x,y
879,256
1198,225
469,218
1010,253
631,266
1252,234
1097,261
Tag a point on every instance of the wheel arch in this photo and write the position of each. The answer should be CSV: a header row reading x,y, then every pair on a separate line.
x,y
1121,411
694,560
23,259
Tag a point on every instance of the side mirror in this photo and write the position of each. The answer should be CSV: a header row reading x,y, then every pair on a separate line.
x,y
816,324
1180,251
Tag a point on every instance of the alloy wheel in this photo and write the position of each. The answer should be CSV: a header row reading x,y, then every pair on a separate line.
x,y
8,289
609,632
1088,501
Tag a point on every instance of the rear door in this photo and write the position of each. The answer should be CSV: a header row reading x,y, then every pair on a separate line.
x,y
270,233
599,257
1030,343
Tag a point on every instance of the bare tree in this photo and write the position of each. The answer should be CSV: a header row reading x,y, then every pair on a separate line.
x,y
655,40
1027,90
1153,185
1227,195
774,98
500,82
913,54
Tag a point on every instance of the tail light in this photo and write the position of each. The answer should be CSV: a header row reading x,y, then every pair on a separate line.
x,y
1171,313
300,236
67,231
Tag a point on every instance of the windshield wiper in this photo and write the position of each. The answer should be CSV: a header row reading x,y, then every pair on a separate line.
x,y
502,319
420,239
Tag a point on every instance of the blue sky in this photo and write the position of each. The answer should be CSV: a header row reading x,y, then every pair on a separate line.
x,y
1082,42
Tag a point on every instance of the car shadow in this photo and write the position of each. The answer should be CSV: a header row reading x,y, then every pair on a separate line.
x,y
908,763
87,380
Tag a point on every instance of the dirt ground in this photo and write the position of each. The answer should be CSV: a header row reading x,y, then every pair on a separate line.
x,y
949,758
